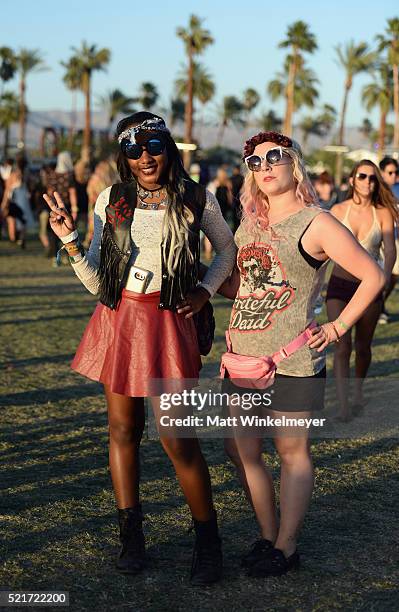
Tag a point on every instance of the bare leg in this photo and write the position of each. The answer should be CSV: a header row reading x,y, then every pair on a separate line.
x,y
191,471
260,484
231,451
126,424
12,229
342,356
365,328
297,481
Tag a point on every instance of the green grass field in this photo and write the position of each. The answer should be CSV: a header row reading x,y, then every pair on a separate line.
x,y
58,517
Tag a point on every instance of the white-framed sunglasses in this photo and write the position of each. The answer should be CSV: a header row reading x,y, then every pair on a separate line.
x,y
272,157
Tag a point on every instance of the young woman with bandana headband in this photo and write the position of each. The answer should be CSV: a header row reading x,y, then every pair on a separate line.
x,y
153,223
284,242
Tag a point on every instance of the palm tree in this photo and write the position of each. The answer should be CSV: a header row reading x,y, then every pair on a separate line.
x,y
177,106
27,60
354,58
88,59
250,100
318,125
9,113
379,93
367,130
391,43
148,95
72,78
8,65
270,122
305,92
203,86
195,39
299,39
114,103
231,111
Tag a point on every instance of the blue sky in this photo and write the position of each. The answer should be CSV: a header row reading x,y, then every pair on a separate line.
x,y
141,36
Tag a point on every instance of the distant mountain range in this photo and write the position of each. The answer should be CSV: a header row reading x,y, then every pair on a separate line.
x,y
206,134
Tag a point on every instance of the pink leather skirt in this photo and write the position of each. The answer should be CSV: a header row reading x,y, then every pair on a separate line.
x,y
129,347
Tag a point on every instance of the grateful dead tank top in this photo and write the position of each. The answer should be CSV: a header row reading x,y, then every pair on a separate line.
x,y
277,294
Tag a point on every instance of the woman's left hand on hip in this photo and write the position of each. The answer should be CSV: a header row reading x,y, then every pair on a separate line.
x,y
193,302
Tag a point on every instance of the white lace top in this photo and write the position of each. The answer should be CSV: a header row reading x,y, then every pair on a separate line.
x,y
146,234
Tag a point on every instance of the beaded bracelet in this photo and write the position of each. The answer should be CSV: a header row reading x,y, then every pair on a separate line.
x,y
73,251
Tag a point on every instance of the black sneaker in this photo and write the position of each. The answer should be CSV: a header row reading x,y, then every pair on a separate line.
x,y
207,562
256,552
274,564
131,558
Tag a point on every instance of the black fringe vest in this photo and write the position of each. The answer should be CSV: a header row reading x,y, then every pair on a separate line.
x,y
116,247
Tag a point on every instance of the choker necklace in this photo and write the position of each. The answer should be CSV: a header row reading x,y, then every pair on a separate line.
x,y
144,193
152,205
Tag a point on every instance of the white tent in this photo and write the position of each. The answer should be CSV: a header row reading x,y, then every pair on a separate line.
x,y
359,154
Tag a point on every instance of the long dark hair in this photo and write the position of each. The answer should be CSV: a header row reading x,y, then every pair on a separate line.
x,y
381,195
178,216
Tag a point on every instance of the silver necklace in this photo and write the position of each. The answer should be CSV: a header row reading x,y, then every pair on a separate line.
x,y
146,193
152,205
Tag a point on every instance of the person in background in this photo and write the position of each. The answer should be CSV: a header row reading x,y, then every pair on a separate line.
x,y
343,189
390,172
237,180
6,168
16,203
221,188
61,180
369,215
325,189
104,175
41,207
82,175
195,172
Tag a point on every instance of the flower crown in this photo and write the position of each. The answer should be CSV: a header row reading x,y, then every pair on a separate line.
x,y
276,137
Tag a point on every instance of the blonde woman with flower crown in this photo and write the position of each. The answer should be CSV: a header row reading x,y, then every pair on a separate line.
x,y
284,243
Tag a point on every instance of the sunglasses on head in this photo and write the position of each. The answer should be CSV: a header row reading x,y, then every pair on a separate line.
x,y
272,157
362,176
153,146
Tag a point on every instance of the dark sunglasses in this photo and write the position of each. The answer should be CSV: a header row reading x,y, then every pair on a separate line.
x,y
272,157
153,146
362,176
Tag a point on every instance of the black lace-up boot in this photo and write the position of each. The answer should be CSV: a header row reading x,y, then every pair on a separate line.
x,y
131,558
207,564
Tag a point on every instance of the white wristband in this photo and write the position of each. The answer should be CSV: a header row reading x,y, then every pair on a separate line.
x,y
72,236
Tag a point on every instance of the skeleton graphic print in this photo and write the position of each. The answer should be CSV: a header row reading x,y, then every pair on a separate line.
x,y
264,290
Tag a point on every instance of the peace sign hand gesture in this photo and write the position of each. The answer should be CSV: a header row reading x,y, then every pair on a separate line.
x,y
61,221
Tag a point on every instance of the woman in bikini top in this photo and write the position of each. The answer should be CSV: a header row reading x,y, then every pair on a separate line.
x,y
369,215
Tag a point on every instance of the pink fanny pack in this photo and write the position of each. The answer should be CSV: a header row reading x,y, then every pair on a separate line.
x,y
258,372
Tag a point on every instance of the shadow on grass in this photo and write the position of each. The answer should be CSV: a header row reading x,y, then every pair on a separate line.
x,y
61,317
32,361
84,302
45,395
29,290
57,465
